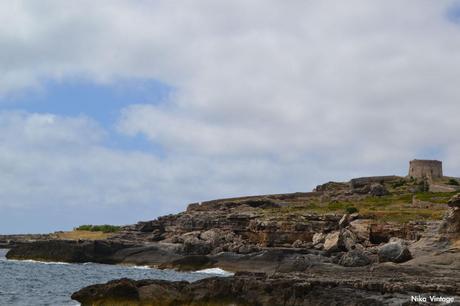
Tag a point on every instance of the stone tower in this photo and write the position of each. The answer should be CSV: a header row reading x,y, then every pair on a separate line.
x,y
430,169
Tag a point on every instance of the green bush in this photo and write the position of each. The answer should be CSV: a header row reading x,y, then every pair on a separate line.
x,y
85,227
105,228
351,210
453,182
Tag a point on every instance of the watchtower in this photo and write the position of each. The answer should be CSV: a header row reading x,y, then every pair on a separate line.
x,y
430,169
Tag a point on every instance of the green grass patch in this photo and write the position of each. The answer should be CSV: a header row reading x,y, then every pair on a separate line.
x,y
435,197
105,228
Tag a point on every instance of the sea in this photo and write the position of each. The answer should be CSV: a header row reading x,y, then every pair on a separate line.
x,y
33,283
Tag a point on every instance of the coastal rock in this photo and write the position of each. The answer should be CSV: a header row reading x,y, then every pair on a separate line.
x,y
247,249
333,242
354,258
361,228
299,263
195,246
350,286
99,251
189,263
349,240
397,252
318,238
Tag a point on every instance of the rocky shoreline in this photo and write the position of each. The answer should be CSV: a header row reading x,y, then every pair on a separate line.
x,y
286,249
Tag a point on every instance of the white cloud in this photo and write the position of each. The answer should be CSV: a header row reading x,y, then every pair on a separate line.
x,y
269,95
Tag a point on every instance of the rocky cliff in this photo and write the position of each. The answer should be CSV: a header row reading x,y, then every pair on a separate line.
x,y
352,237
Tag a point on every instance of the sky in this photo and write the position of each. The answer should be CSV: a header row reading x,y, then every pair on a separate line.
x,y
112,112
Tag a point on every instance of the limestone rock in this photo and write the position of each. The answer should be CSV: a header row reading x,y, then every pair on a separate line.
x,y
396,252
348,240
299,244
361,228
355,258
333,242
318,238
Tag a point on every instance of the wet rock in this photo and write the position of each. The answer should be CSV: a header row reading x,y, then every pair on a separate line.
x,y
397,252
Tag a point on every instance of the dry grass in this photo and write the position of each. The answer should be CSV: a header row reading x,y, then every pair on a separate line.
x,y
85,235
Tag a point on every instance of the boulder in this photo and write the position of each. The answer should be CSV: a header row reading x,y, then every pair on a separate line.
x,y
349,240
397,252
361,228
333,242
355,258
318,238
298,244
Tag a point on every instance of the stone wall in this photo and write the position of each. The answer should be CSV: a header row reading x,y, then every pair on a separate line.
x,y
431,169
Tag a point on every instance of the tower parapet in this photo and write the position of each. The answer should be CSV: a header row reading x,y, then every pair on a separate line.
x,y
430,169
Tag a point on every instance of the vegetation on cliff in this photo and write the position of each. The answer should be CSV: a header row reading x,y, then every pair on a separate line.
x,y
105,228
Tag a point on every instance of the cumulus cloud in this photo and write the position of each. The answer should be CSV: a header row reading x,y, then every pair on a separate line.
x,y
269,95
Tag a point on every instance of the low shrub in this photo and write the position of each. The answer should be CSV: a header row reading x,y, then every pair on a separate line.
x,y
453,182
398,183
351,210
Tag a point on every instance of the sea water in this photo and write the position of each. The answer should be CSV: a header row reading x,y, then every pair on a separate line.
x,y
33,283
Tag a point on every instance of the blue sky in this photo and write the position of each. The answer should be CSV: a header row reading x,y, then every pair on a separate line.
x,y
134,109
99,101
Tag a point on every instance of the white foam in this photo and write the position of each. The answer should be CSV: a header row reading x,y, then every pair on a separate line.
x,y
39,262
142,267
216,271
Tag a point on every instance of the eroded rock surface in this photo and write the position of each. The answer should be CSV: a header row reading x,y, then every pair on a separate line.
x,y
384,286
